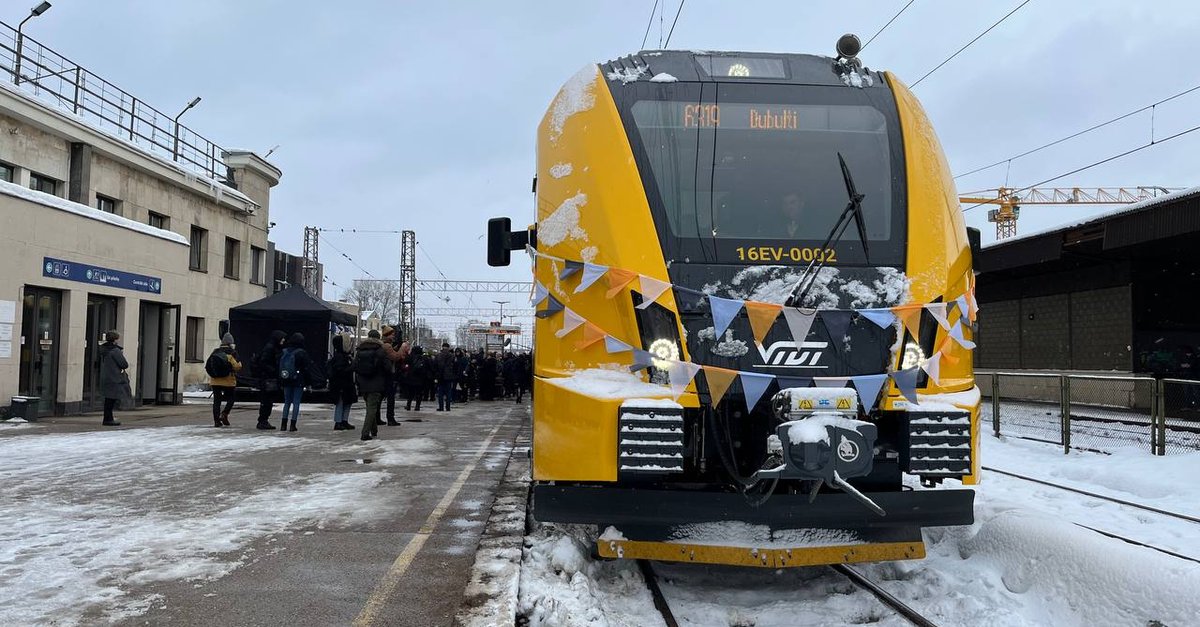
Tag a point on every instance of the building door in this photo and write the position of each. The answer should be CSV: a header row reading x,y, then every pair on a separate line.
x,y
40,322
101,317
158,355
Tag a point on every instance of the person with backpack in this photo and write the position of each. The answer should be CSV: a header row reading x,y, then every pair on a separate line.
x,y
395,351
114,382
341,383
447,374
416,377
371,370
266,368
222,367
295,370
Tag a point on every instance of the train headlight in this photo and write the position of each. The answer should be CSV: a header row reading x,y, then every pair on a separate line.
x,y
738,69
665,352
913,355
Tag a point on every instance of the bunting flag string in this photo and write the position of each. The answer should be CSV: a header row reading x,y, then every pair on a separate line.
x,y
724,310
591,273
651,290
617,280
883,318
571,321
718,380
910,317
762,318
591,335
613,345
569,269
799,321
933,367
837,323
869,386
553,306
938,310
539,293
753,387
956,332
680,375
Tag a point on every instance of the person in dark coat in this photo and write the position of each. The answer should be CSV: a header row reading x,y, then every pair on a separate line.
x,y
447,374
416,377
488,371
371,370
295,372
396,351
266,368
114,382
341,384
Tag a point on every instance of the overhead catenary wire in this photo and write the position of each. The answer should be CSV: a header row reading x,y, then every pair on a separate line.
x,y
977,38
1089,129
649,23
431,261
1096,163
673,23
342,253
889,23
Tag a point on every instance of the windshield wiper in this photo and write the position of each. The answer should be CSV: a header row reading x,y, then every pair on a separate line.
x,y
853,211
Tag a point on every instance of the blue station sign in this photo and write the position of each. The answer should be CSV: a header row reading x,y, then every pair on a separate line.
x,y
84,273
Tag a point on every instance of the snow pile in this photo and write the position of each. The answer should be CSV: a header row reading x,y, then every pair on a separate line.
x,y
853,79
813,428
70,546
62,204
730,346
575,96
560,170
740,534
651,403
561,586
611,383
402,452
830,290
589,253
663,77
563,223
626,75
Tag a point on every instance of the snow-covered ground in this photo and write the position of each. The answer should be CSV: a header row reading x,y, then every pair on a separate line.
x,y
1025,561
86,517
1099,428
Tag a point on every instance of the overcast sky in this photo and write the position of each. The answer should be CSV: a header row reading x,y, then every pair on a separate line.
x,y
422,115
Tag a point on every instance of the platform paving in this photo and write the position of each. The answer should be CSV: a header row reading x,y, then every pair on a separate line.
x,y
396,548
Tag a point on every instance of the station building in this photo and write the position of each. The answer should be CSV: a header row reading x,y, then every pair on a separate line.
x,y
1119,292
117,218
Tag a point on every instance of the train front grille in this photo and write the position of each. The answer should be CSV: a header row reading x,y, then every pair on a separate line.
x,y
939,443
650,438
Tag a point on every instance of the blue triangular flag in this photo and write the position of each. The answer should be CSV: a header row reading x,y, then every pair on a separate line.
x,y
906,381
641,360
753,386
884,318
868,386
539,293
794,382
570,267
591,273
553,306
837,323
723,312
613,345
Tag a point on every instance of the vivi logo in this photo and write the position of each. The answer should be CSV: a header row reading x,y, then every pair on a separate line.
x,y
786,355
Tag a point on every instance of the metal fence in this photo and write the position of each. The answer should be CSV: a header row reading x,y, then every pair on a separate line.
x,y
1095,412
57,81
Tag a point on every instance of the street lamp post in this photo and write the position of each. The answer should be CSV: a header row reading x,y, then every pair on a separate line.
x,y
502,303
175,151
34,12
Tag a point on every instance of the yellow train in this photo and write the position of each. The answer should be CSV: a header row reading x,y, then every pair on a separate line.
x,y
755,301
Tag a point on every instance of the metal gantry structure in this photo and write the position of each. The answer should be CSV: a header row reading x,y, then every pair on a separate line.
x,y
408,282
487,287
1010,200
311,278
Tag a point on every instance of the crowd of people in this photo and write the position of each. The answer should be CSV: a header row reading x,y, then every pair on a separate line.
x,y
380,369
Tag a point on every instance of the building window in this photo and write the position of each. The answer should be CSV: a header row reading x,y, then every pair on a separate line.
x,y
195,340
8,173
106,204
159,221
43,184
233,258
258,266
198,260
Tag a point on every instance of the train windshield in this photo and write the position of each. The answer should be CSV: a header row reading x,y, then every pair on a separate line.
x,y
738,167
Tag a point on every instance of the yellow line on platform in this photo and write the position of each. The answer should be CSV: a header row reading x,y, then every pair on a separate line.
x,y
375,603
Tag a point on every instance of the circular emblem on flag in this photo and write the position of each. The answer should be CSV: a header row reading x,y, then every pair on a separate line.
x,y
847,450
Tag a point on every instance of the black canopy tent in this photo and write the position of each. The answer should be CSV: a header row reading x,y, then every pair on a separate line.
x,y
291,310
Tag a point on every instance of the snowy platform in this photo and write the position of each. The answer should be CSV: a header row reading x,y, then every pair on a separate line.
x,y
167,520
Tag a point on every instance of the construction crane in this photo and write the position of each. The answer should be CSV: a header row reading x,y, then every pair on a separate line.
x,y
1010,200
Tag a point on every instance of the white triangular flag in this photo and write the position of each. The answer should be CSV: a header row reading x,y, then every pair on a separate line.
x,y
571,321
956,332
680,374
651,290
938,310
933,367
613,345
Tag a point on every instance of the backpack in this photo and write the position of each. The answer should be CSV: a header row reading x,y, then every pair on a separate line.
x,y
366,363
287,365
218,366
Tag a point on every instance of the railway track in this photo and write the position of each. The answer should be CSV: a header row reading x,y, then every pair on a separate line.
x,y
1116,536
856,577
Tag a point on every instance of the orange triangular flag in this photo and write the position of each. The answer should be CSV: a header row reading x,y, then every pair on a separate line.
x,y
762,318
910,315
718,380
947,345
591,335
617,280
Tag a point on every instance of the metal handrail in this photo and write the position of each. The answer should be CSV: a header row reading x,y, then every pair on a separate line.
x,y
105,106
